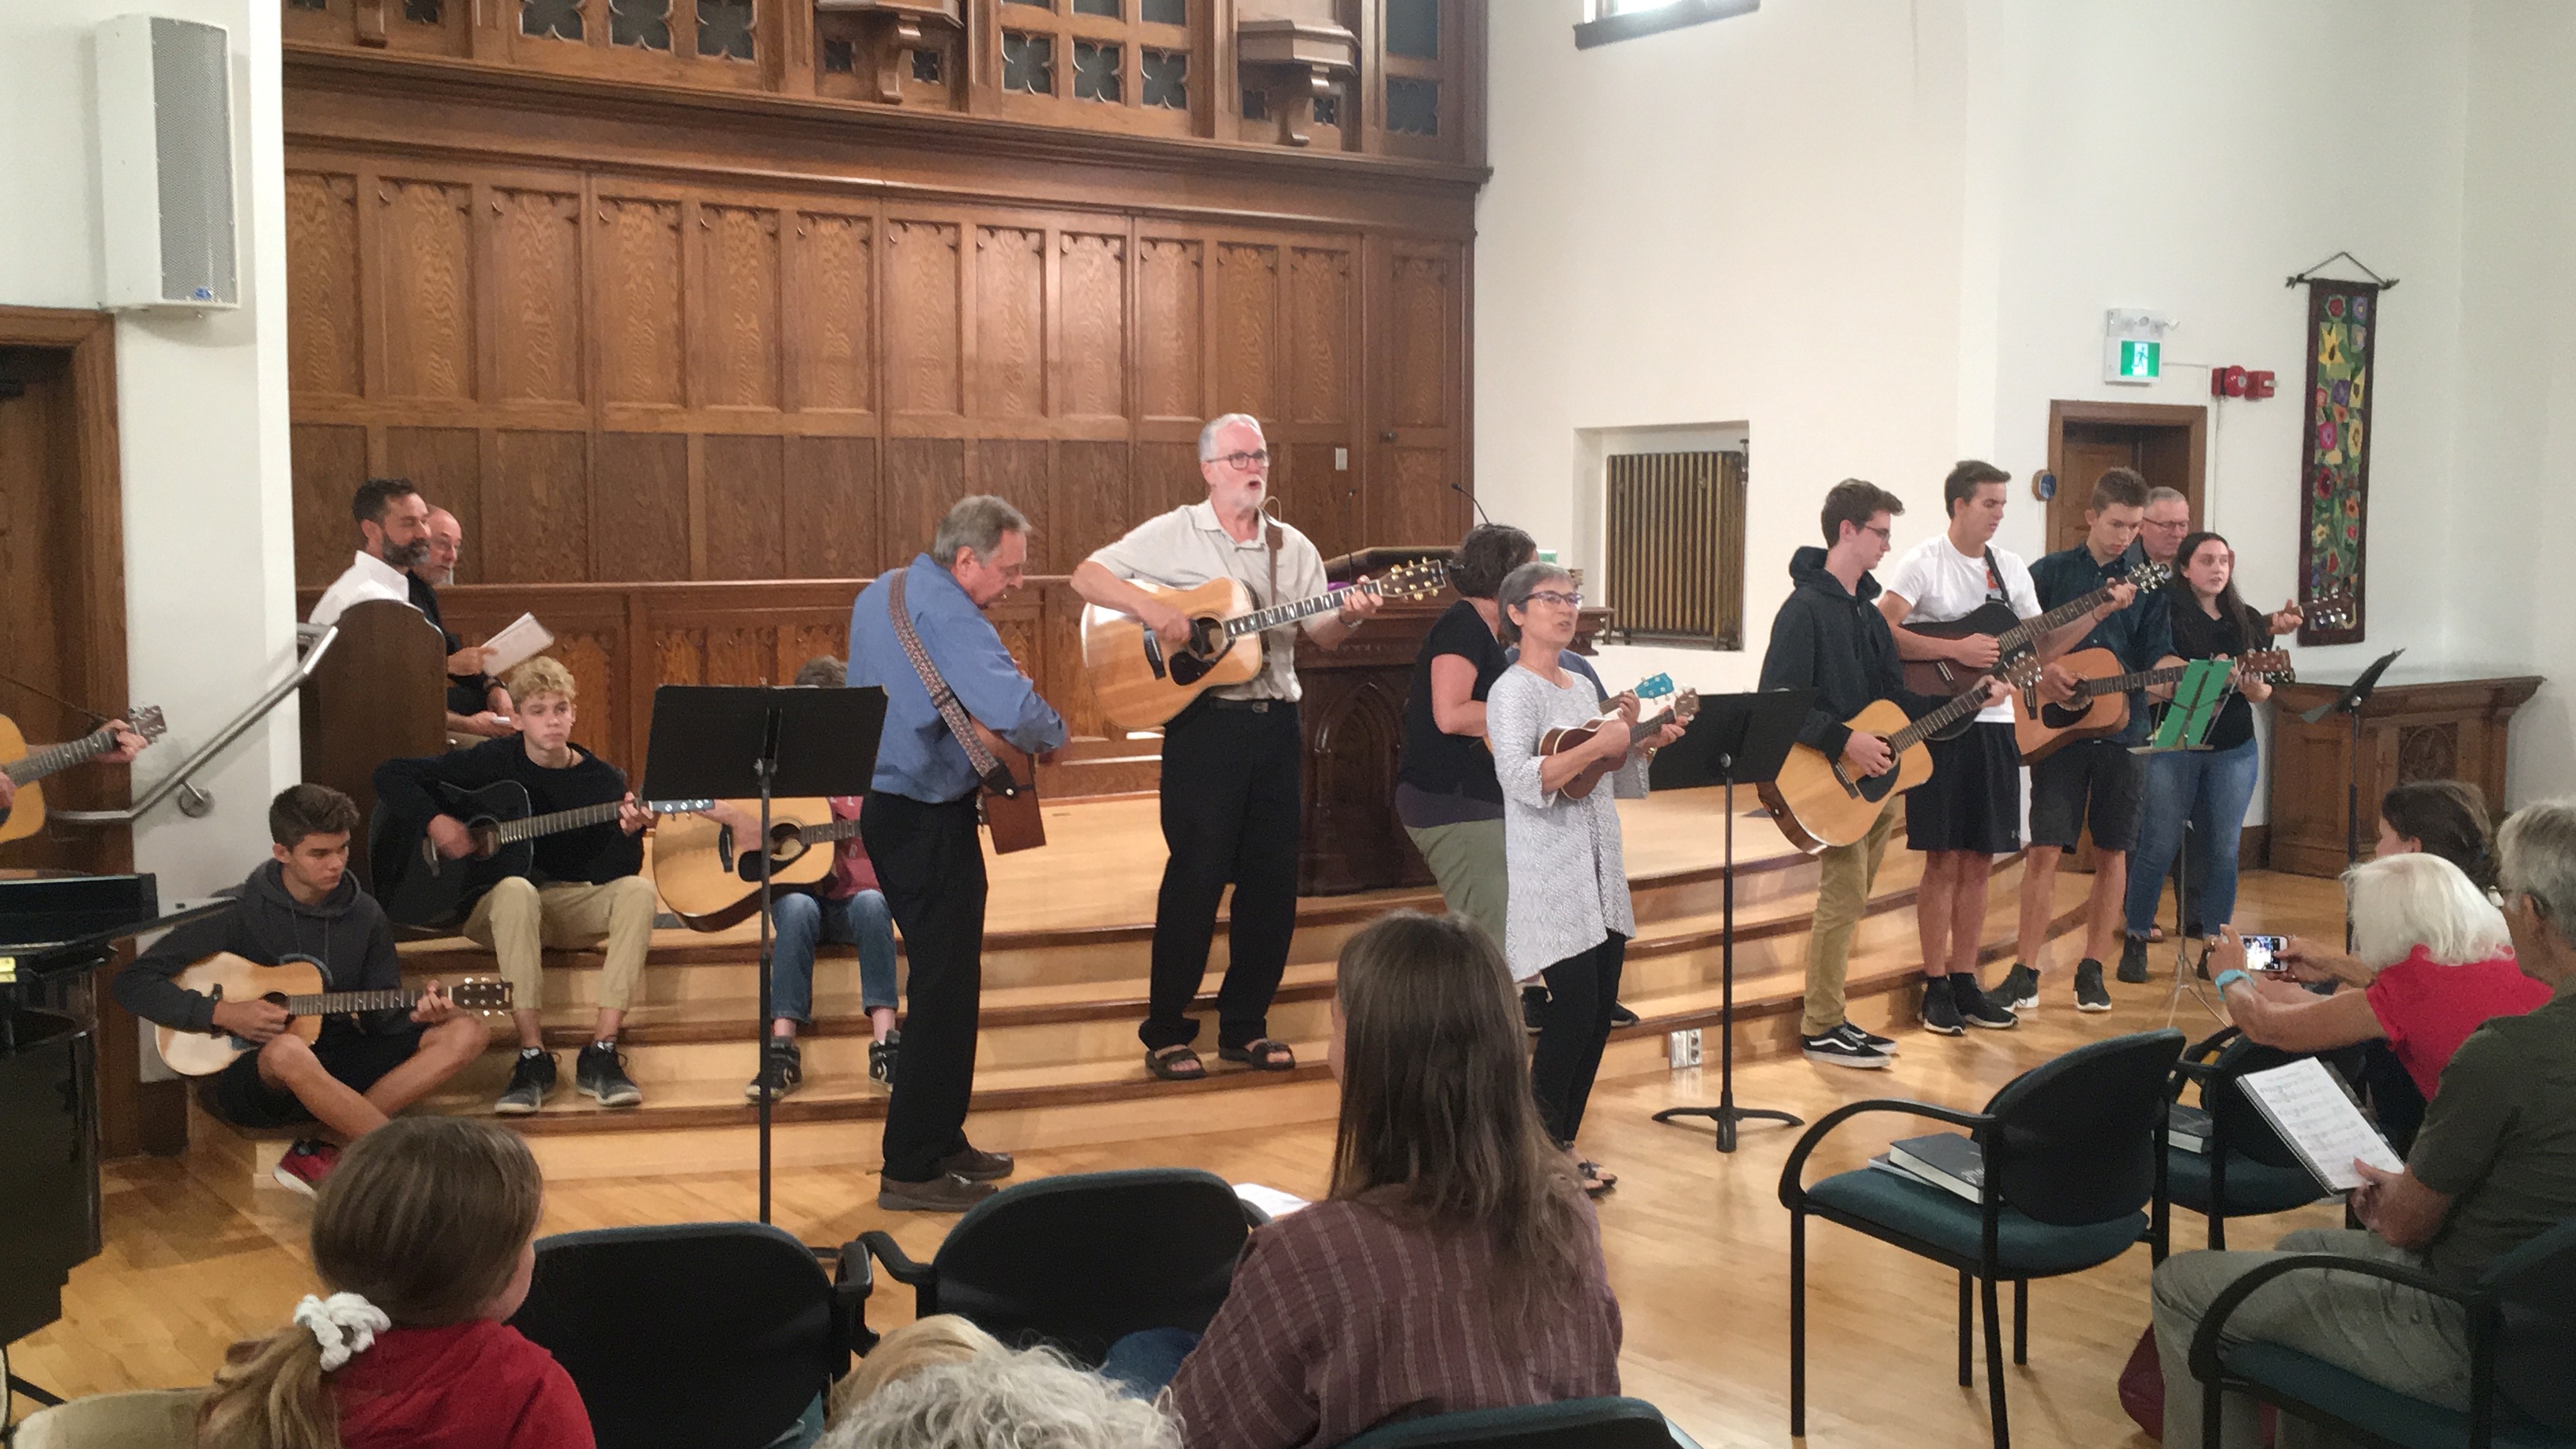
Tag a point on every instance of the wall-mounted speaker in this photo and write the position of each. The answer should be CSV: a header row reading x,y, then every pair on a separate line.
x,y
165,150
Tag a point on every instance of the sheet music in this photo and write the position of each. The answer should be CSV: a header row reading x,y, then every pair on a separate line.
x,y
522,641
2312,1113
1271,1200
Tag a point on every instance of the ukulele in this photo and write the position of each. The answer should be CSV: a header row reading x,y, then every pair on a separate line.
x,y
1684,707
24,767
297,986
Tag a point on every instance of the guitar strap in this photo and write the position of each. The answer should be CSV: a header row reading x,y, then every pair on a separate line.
x,y
1995,590
979,759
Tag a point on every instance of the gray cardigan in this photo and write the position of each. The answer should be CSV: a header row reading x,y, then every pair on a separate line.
x,y
1569,880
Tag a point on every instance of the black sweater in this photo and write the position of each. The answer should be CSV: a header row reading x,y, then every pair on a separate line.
x,y
593,855
1834,641
347,933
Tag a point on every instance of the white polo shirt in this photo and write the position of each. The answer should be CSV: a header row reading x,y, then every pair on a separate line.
x,y
1187,547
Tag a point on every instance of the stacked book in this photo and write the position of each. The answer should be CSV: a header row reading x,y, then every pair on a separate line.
x,y
1950,1161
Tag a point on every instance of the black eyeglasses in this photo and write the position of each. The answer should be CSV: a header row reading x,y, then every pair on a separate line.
x,y
1240,461
1571,601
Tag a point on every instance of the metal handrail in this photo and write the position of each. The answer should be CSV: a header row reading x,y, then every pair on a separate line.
x,y
193,802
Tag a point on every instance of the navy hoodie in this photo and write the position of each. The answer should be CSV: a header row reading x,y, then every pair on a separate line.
x,y
1834,641
347,933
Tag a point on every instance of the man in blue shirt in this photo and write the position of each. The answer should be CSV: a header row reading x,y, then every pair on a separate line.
x,y
919,825
2095,781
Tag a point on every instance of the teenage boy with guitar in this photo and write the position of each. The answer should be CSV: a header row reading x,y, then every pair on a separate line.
x,y
1829,637
2096,781
582,891
303,904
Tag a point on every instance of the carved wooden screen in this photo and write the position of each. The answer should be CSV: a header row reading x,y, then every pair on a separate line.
x,y
1675,558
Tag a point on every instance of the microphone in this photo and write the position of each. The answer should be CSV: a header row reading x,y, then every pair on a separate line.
x,y
1481,515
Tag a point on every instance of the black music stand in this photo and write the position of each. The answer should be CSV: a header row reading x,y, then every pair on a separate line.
x,y
1736,739
2354,696
722,742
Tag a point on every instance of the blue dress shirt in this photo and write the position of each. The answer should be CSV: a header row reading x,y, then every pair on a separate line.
x,y
917,756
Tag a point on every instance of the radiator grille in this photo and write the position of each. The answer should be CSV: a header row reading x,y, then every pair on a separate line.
x,y
1675,560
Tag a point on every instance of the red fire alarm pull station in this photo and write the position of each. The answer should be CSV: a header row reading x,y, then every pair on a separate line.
x,y
2240,382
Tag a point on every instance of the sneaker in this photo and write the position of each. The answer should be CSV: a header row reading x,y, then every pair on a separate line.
x,y
1533,1008
946,1193
2133,960
881,1056
600,1070
1620,1016
976,1165
531,1079
1835,1049
782,1070
1884,1046
1940,1007
305,1164
2089,993
2020,988
1977,1009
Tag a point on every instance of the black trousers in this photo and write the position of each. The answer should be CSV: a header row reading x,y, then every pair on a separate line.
x,y
932,868
1581,992
1231,807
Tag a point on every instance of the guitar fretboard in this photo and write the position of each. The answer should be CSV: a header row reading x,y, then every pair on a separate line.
x,y
2143,678
555,822
342,1003
1289,613
56,758
1938,720
2040,626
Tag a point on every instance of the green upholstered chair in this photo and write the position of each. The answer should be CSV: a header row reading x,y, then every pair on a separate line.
x,y
2248,1170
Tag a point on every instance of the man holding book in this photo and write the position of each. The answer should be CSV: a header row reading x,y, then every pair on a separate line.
x,y
2493,1167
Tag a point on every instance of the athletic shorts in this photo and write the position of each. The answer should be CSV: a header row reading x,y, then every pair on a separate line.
x,y
2094,782
357,1058
1973,800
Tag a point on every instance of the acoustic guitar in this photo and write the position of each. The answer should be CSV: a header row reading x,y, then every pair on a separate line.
x,y
1140,684
1009,798
2101,704
710,880
1684,708
24,768
419,887
297,986
1818,802
2013,634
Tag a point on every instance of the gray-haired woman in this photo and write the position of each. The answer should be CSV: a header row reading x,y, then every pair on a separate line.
x,y
1569,917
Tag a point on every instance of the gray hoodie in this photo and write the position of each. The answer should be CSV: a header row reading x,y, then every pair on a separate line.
x,y
347,933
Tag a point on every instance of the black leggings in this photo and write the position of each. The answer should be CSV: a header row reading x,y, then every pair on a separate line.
x,y
1581,990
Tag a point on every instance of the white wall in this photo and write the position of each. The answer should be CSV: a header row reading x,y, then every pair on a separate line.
x,y
201,410
1883,234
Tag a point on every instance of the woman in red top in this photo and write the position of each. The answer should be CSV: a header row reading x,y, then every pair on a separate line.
x,y
426,1235
2442,965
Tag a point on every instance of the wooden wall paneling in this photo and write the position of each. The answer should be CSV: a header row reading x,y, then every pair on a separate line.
x,y
637,295
327,463
1020,470
925,278
1245,351
1091,506
1319,498
831,508
446,465
1091,339
1416,505
325,336
1171,330
1323,295
738,333
537,296
1009,304
538,507
746,512
831,313
1423,288
923,476
1167,476
426,300
639,508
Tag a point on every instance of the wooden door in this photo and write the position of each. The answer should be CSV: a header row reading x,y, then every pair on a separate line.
x,y
2166,445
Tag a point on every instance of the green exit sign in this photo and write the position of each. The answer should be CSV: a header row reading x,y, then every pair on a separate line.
x,y
2133,345
2141,360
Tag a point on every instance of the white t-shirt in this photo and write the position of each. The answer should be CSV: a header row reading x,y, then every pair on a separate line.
x,y
367,577
1944,584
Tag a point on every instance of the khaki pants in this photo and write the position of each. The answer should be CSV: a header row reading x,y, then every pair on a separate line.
x,y
1845,875
518,919
1467,859
2393,1335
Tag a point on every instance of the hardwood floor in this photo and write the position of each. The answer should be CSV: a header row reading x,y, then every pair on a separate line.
x,y
196,1258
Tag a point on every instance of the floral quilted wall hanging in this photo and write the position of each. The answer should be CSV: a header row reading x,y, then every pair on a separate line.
x,y
2335,479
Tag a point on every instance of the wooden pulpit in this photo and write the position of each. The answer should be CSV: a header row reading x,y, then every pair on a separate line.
x,y
380,694
2426,723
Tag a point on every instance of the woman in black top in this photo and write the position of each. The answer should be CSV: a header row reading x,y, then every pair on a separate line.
x,y
2210,788
1445,792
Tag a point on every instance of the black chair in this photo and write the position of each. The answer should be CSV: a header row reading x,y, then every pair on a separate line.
x,y
2522,1341
1616,1423
695,1335
2248,1170
1081,1260
2074,1175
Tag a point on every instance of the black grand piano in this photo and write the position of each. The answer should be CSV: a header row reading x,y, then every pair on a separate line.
x,y
55,931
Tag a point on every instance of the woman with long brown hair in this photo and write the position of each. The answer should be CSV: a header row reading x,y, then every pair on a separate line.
x,y
1456,1263
425,1233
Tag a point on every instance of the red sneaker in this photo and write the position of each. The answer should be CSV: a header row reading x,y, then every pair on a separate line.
x,y
306,1164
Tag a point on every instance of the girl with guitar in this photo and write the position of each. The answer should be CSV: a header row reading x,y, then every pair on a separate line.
x,y
1569,915
2209,788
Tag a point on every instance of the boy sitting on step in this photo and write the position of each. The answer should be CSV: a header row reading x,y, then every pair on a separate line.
x,y
303,905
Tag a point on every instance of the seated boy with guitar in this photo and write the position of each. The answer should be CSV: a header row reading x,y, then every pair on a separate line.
x,y
304,905
582,890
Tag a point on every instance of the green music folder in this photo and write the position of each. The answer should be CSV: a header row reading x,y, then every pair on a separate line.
x,y
2197,695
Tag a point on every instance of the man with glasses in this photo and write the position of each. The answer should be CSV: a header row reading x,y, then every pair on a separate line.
x,y
1231,794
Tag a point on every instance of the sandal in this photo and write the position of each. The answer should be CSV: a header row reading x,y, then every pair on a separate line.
x,y
1176,1064
1595,1181
1262,1054
2155,935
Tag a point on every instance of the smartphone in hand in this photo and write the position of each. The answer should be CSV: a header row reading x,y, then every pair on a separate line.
x,y
2261,951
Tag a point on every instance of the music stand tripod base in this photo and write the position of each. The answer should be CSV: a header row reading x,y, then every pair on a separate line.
x,y
1736,739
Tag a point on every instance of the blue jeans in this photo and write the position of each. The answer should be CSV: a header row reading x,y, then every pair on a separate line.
x,y
1142,1364
2212,789
802,923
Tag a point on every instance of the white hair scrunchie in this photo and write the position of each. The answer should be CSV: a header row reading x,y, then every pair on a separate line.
x,y
344,1324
